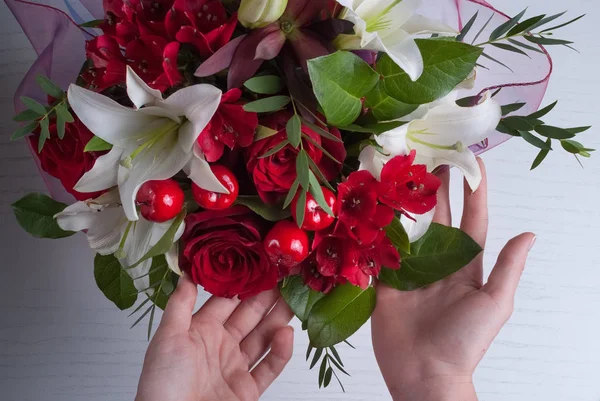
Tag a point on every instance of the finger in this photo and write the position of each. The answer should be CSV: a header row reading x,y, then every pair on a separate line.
x,y
249,314
271,367
504,279
178,313
217,308
256,344
475,211
443,214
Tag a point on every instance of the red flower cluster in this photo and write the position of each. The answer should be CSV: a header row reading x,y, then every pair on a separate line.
x,y
147,35
274,175
356,247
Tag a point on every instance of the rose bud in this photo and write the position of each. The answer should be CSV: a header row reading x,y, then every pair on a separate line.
x,y
255,14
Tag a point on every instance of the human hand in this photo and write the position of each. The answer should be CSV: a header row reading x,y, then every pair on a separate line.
x,y
429,342
210,355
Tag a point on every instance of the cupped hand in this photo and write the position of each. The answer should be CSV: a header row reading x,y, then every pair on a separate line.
x,y
211,355
429,342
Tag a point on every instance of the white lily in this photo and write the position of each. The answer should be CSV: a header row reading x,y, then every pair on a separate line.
x,y
153,141
389,26
110,232
443,135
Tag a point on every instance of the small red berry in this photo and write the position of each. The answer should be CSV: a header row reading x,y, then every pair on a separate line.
x,y
315,218
160,201
213,200
286,245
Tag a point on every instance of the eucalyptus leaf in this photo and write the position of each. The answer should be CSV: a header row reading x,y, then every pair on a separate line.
x,y
97,144
511,108
548,20
534,140
507,26
317,193
63,117
467,27
44,133
294,130
265,85
292,193
340,314
510,48
24,131
114,282
327,379
258,206
483,27
578,130
275,149
542,112
525,46
565,24
299,297
441,252
376,129
267,105
322,371
541,156
34,105
547,41
553,132
162,275
339,81
301,208
571,146
446,64
526,25
35,213
49,87
485,55
27,115
92,24
263,132
317,357
303,169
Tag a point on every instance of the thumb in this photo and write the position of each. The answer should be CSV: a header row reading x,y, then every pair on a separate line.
x,y
504,279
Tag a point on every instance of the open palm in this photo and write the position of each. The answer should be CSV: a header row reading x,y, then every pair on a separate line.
x,y
432,339
212,354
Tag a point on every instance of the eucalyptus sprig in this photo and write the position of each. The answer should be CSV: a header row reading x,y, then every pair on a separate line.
x,y
329,363
531,127
39,116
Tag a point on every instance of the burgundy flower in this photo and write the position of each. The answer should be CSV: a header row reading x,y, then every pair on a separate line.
x,y
274,175
230,126
223,251
409,188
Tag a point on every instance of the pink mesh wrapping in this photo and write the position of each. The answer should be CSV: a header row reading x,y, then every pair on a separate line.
x,y
60,44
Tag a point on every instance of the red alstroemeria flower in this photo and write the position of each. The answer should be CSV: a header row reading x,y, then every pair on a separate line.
x,y
409,188
155,61
313,278
359,212
108,63
117,23
230,126
202,23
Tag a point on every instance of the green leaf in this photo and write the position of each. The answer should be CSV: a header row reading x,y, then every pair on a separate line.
x,y
541,156
292,193
507,26
63,116
323,132
24,131
294,130
565,24
534,140
483,27
542,112
327,379
572,146
384,107
301,208
44,133
526,25
316,358
160,273
441,252
548,20
446,64
397,234
165,243
525,46
553,132
265,85
35,213
92,24
520,123
511,108
336,356
467,28
275,149
322,370
263,132
317,193
299,297
303,169
578,130
49,87
546,41
114,282
27,115
33,105
376,129
314,168
339,81
340,314
510,48
97,144
258,206
309,350
267,105
496,61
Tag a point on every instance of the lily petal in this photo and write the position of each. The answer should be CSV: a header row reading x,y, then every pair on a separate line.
x,y
403,49
200,173
197,103
395,11
106,118
172,258
416,229
394,141
139,92
160,162
419,25
465,161
104,173
372,161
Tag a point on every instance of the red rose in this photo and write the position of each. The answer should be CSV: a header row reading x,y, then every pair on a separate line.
x,y
223,251
65,158
273,176
230,126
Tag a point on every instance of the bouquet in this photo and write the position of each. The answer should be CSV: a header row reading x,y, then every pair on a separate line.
x,y
261,143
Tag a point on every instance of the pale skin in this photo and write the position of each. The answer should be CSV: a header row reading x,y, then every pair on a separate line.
x,y
427,342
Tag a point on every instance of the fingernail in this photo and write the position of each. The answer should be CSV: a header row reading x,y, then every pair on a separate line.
x,y
533,242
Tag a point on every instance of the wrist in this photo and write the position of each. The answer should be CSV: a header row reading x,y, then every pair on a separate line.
x,y
441,388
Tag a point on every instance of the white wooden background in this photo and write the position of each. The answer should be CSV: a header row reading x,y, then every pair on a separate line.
x,y
60,340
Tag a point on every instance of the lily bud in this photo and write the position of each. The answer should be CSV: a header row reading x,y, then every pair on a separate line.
x,y
260,13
